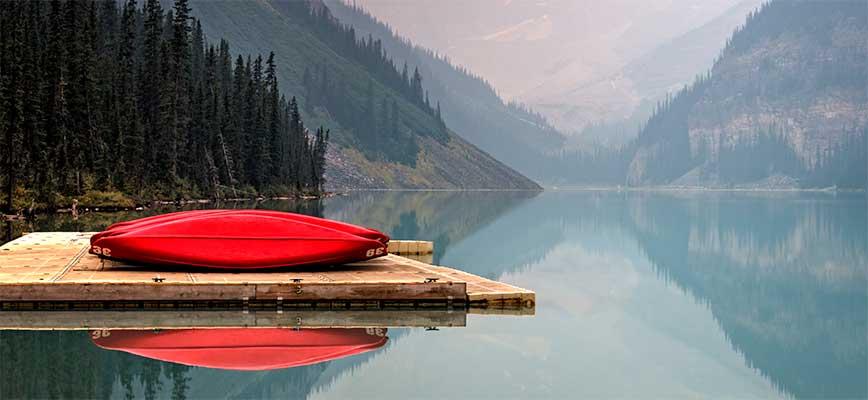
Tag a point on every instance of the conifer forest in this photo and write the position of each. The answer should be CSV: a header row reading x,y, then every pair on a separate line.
x,y
104,97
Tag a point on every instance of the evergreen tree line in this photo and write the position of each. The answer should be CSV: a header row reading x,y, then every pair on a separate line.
x,y
378,118
102,96
842,164
377,124
817,25
443,62
367,51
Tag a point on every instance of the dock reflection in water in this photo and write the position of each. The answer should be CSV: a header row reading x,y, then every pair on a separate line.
x,y
154,363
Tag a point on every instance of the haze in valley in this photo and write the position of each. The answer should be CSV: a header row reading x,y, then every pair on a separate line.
x,y
579,62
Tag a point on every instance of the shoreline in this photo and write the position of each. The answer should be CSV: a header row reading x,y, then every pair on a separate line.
x,y
556,188
702,189
77,208
345,191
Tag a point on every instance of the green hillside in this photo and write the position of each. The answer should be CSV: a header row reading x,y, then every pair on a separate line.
x,y
515,135
411,148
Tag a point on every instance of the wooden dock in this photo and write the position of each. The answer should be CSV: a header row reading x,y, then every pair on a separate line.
x,y
46,276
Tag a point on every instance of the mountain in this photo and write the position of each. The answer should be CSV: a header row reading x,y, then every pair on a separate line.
x,y
381,136
511,133
547,53
784,106
385,133
627,96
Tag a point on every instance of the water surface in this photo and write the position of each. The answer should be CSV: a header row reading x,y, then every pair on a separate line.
x,y
639,295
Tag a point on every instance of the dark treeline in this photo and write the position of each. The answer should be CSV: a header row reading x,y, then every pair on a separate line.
x,y
371,49
376,116
377,124
369,52
100,96
818,21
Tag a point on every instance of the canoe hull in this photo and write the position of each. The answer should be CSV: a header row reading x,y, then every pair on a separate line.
x,y
127,226
236,241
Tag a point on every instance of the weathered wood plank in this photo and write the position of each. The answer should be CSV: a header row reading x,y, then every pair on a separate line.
x,y
494,295
180,319
119,291
362,291
411,247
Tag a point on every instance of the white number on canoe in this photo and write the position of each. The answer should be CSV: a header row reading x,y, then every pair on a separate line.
x,y
102,250
100,333
376,252
375,332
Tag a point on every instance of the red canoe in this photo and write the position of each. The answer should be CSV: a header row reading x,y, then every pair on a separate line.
x,y
235,240
126,226
244,349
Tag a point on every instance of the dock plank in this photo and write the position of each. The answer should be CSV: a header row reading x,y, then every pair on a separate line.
x,y
187,319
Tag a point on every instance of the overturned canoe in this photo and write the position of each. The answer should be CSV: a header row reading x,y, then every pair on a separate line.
x,y
126,226
244,349
235,240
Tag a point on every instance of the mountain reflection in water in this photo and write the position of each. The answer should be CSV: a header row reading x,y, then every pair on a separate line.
x,y
663,295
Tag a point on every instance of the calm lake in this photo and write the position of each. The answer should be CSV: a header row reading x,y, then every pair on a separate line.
x,y
639,295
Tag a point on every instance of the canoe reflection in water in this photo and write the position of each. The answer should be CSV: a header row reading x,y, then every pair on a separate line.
x,y
243,349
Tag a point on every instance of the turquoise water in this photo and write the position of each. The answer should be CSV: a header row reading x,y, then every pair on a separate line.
x,y
639,295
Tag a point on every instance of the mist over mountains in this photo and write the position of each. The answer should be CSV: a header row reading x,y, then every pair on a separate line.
x,y
747,97
577,62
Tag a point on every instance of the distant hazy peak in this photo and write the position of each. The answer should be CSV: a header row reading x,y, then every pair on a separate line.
x,y
517,45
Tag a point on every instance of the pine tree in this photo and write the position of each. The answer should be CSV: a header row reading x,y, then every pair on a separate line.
x,y
13,93
129,132
151,83
320,147
416,87
405,80
197,55
276,148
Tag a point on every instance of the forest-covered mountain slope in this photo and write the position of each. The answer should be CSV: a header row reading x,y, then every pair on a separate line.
x,y
520,138
627,96
785,105
385,131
